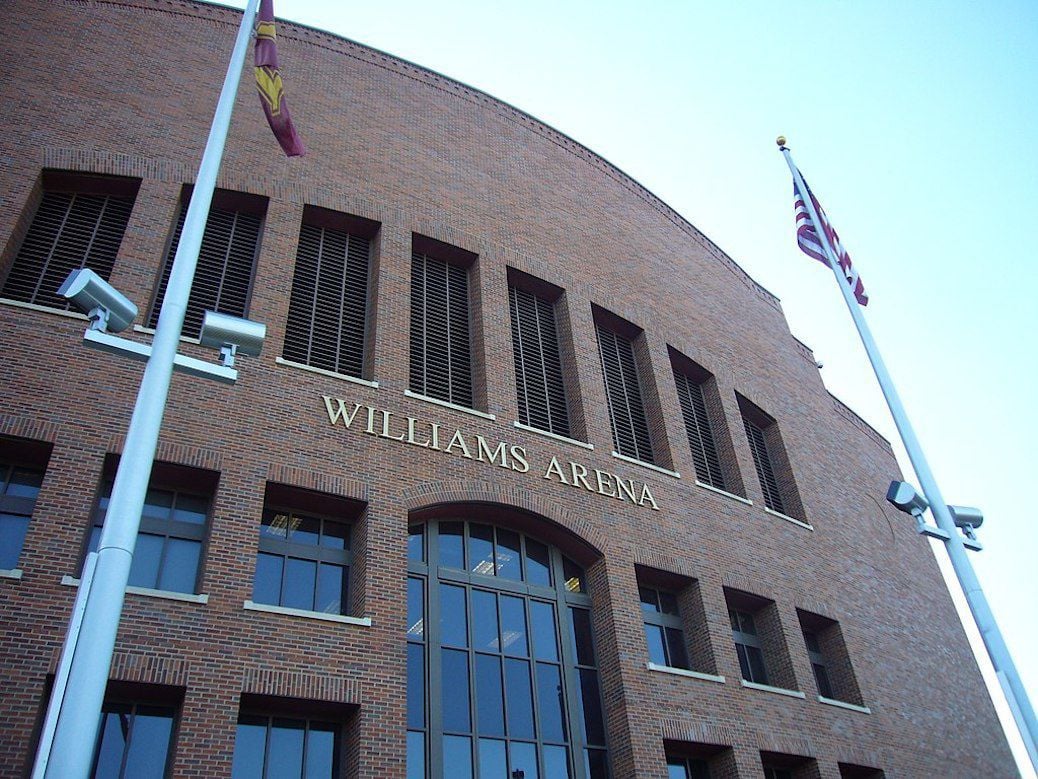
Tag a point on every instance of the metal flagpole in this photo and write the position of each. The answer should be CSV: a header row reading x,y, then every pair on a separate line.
x,y
78,710
992,636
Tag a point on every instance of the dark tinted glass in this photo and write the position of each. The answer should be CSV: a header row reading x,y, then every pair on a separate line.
x,y
550,702
490,718
756,660
147,559
285,757
825,689
581,633
12,537
24,483
149,744
524,759
649,601
452,544
542,626
509,558
335,535
519,699
416,608
115,729
307,531
484,621
249,746
266,587
481,549
668,603
654,640
597,765
320,752
453,623
591,707
416,543
455,696
556,762
513,626
457,757
574,575
331,589
538,570
180,568
492,758
415,755
191,508
415,686
300,577
676,653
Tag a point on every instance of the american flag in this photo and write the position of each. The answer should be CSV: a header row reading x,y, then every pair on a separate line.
x,y
809,243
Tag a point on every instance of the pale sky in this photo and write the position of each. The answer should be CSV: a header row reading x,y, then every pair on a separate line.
x,y
915,123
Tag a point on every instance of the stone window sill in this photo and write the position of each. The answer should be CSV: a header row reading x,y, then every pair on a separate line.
x,y
10,573
727,494
776,690
844,705
446,404
318,615
323,372
147,592
553,436
788,518
643,464
685,672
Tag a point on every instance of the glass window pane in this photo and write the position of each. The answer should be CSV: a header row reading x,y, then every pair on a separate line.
x,y
157,503
490,715
12,536
760,674
452,544
455,690
556,762
95,538
825,689
518,698
591,707
484,621
676,769
508,555
114,731
744,663
513,626
676,654
481,549
180,566
335,535
286,748
492,763
457,757
416,543
331,588
648,599
416,609
668,603
538,568
147,555
415,686
542,626
249,746
574,575
307,531
654,639
191,508
320,751
552,707
415,755
746,620
524,758
300,577
733,618
597,765
25,483
453,622
276,524
266,587
581,633
149,743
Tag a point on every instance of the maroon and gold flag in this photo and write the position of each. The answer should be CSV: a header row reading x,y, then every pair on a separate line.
x,y
268,81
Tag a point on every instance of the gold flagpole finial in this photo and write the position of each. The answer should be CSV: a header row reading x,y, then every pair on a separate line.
x,y
781,141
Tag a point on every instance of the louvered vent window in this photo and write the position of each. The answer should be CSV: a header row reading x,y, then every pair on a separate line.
x,y
225,261
630,427
538,366
441,353
69,231
327,312
700,435
765,468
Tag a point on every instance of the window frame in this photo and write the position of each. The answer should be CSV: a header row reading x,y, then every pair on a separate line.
x,y
18,506
668,623
618,360
134,704
270,718
745,641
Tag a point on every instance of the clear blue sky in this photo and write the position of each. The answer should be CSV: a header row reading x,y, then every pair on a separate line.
x,y
916,124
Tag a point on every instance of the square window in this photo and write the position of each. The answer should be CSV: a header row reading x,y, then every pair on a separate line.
x,y
22,465
830,662
674,621
758,638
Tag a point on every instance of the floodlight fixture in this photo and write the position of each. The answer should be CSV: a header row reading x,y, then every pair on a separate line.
x,y
904,497
107,308
966,517
231,335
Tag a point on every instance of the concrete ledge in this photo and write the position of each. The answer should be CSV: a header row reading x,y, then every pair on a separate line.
x,y
445,404
727,494
776,690
147,592
10,573
788,518
844,705
323,372
553,436
318,615
643,464
44,309
685,672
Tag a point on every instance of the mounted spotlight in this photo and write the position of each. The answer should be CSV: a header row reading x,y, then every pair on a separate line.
x,y
968,519
231,335
107,307
904,497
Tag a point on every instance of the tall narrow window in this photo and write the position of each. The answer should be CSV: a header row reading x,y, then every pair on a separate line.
x,y
623,390
134,742
22,464
830,661
748,646
328,310
770,461
223,280
540,390
502,676
700,434
79,223
765,469
441,349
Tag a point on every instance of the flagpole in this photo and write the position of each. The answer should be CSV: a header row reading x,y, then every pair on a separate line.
x,y
76,709
982,615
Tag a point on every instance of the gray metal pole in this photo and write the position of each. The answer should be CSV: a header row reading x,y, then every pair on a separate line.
x,y
989,632
79,711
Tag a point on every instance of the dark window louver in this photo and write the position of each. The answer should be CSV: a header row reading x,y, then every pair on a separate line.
x,y
225,262
69,231
700,435
538,366
327,313
441,363
765,469
626,411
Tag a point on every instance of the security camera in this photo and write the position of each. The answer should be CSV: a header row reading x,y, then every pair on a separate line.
x,y
107,308
231,335
903,495
966,516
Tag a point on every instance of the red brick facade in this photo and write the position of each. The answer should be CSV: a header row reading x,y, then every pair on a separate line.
x,y
127,88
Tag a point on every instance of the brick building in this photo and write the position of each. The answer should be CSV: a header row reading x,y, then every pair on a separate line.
x,y
530,480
